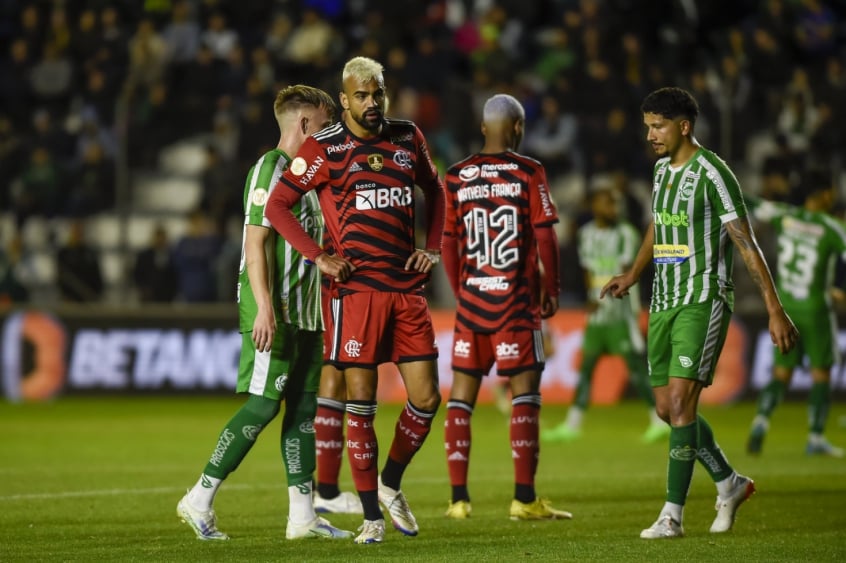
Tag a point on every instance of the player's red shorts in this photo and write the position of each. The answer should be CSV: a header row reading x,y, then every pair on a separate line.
x,y
328,321
371,328
512,351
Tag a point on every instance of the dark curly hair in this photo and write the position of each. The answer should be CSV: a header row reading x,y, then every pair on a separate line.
x,y
671,102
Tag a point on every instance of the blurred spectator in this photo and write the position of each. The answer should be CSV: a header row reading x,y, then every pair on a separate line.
x,y
781,170
181,36
798,121
553,138
32,28
78,264
195,257
85,39
11,159
147,58
312,41
47,132
12,289
816,29
732,98
15,89
152,125
51,79
38,190
219,37
92,188
197,91
221,198
154,273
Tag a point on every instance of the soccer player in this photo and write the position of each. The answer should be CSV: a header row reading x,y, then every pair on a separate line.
x,y
498,233
608,245
699,219
281,325
810,242
364,170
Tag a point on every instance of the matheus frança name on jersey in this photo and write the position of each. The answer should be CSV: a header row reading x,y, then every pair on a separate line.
x,y
511,189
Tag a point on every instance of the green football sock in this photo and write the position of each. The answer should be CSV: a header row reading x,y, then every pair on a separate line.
x,y
583,387
770,397
710,454
639,378
819,401
239,435
297,442
682,460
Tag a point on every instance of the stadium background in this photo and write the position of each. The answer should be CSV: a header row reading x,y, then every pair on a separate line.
x,y
120,117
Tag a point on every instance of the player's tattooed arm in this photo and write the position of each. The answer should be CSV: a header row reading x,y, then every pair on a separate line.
x,y
782,330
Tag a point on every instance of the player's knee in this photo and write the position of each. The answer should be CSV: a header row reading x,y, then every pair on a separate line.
x,y
429,403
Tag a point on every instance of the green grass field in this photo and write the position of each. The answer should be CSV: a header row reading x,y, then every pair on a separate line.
x,y
86,479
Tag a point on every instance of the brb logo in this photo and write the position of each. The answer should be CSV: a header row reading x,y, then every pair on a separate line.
x,y
381,198
461,349
504,350
352,348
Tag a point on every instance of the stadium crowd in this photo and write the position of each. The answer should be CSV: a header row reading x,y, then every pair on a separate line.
x,y
92,91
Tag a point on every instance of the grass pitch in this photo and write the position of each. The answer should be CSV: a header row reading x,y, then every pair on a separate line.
x,y
86,479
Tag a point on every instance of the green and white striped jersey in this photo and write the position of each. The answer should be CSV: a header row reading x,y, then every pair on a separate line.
x,y
295,283
692,250
809,244
604,252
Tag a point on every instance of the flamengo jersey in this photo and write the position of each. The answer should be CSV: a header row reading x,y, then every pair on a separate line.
x,y
295,284
604,252
692,250
809,243
494,201
366,191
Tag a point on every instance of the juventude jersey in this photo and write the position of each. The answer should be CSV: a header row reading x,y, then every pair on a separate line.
x,y
494,202
366,189
809,244
295,283
692,251
603,253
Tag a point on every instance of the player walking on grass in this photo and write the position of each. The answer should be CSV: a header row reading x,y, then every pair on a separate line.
x,y
699,218
499,225
606,246
281,325
810,242
364,170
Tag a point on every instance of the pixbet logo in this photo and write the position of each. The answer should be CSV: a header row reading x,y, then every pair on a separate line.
x,y
342,147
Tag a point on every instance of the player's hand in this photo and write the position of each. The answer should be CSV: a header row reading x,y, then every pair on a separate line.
x,y
422,260
548,303
783,332
334,266
618,286
264,328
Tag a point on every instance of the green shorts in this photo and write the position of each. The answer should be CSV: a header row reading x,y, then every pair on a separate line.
x,y
686,342
817,334
619,338
295,353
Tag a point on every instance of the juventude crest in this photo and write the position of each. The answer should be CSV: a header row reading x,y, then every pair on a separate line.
x,y
688,184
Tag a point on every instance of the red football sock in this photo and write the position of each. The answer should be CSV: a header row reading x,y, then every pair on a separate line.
x,y
525,414
329,441
362,447
410,432
457,436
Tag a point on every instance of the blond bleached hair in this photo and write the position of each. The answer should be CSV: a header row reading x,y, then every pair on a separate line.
x,y
363,69
298,96
503,107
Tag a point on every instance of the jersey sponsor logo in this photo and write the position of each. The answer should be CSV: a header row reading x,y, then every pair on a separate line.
x,y
709,460
670,253
309,173
685,361
801,229
546,201
293,457
668,219
461,349
259,197
375,162
490,283
223,442
329,421
298,166
355,167
353,348
504,350
381,198
492,170
468,173
402,138
402,159
340,148
251,431
280,382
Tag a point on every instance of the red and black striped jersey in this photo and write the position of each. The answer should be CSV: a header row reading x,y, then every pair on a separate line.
x,y
366,189
494,203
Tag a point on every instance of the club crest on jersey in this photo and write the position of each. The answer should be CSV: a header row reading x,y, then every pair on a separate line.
x,y
402,159
353,348
688,182
469,173
375,162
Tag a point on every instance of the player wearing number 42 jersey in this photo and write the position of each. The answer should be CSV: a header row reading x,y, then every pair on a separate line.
x,y
498,231
364,170
809,244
